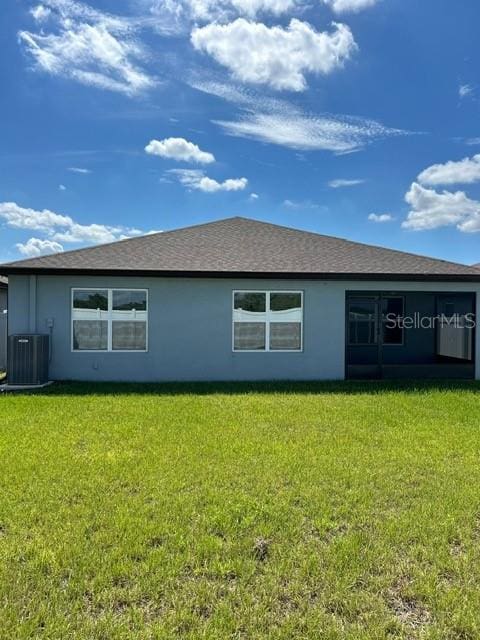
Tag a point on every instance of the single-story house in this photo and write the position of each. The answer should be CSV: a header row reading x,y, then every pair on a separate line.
x,y
3,294
240,299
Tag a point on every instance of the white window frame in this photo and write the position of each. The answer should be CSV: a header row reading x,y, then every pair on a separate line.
x,y
268,320
109,320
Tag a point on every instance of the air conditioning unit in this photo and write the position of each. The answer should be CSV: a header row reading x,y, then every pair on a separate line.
x,y
28,359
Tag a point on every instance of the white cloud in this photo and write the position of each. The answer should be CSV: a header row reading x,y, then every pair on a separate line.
x,y
61,228
279,122
94,233
465,90
194,179
431,210
179,149
237,94
91,47
79,170
303,204
464,171
40,13
253,196
21,218
275,56
62,187
382,217
304,132
215,9
37,247
78,10
180,14
252,7
339,183
473,142
343,6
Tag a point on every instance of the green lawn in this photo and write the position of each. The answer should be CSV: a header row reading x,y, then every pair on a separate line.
x,y
240,511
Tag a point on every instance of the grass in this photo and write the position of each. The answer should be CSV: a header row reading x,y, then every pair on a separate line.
x,y
332,511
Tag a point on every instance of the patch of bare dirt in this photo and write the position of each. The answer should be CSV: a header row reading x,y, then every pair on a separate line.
x,y
457,548
408,609
261,549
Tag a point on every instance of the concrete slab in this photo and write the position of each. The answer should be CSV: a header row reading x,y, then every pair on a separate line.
x,y
7,388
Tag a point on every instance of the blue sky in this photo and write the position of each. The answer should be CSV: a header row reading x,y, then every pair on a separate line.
x,y
356,118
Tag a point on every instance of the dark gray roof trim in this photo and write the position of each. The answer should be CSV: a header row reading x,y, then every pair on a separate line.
x,y
239,247
276,275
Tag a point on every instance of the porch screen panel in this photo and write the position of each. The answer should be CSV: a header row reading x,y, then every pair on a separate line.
x,y
392,312
362,323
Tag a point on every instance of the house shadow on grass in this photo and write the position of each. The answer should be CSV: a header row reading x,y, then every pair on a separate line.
x,y
350,387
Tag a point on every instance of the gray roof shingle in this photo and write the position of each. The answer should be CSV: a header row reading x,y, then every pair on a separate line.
x,y
245,247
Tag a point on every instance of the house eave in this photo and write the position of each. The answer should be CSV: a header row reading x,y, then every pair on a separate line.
x,y
254,275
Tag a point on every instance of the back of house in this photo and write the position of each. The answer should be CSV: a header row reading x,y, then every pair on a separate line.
x,y
239,299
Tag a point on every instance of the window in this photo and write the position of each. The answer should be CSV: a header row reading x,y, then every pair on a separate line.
x,y
392,312
362,323
109,319
90,319
267,320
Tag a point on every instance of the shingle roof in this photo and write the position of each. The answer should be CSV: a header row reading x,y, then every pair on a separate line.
x,y
240,246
